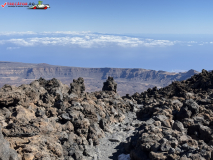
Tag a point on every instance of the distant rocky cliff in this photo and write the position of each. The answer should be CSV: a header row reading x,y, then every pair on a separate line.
x,y
129,80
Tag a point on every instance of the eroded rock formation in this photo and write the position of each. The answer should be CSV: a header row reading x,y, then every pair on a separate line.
x,y
77,87
110,85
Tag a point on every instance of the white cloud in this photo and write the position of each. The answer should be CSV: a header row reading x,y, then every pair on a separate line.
x,y
70,32
20,42
192,42
83,39
87,39
159,43
17,33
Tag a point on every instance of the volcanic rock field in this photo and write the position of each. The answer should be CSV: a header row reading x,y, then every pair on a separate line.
x,y
48,120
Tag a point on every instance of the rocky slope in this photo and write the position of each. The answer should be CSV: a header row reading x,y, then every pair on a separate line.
x,y
47,120
129,80
177,121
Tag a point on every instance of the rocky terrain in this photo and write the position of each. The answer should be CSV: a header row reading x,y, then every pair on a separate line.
x,y
47,120
128,80
177,120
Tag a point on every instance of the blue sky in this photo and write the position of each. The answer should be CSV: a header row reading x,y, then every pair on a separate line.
x,y
114,16
151,34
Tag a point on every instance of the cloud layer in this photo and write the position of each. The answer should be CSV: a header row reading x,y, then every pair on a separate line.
x,y
86,39
80,39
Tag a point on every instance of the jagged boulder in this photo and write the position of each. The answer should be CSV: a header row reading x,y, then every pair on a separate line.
x,y
110,85
77,87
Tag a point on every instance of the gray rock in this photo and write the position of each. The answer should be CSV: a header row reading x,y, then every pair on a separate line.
x,y
78,155
187,122
177,102
165,147
6,153
89,151
110,85
150,121
178,150
155,147
185,147
77,87
163,140
178,126
40,112
205,133
63,136
171,151
192,105
65,116
161,118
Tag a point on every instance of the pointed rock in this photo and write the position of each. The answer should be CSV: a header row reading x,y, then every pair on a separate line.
x,y
77,86
110,85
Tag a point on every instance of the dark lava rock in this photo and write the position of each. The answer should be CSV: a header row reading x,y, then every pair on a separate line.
x,y
183,119
110,85
77,86
178,126
47,120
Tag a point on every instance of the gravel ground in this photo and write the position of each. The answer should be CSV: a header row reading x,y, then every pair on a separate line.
x,y
112,145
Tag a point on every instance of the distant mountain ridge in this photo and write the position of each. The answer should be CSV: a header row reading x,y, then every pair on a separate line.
x,y
130,80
